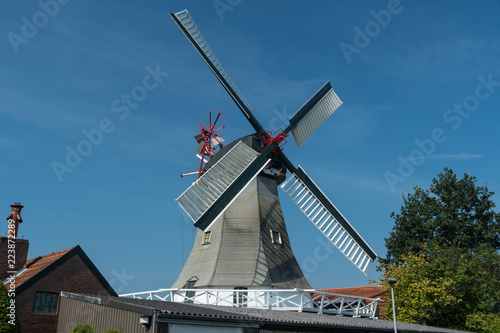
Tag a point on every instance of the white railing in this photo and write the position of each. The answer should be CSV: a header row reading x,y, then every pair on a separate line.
x,y
301,300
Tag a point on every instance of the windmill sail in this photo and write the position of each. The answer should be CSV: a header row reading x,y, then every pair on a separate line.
x,y
190,30
325,216
214,191
313,113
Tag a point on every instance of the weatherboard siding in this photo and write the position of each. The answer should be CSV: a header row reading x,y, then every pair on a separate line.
x,y
186,328
73,312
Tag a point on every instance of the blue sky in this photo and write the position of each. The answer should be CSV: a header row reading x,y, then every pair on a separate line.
x,y
420,82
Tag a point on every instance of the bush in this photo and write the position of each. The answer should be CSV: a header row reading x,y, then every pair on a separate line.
x,y
83,328
5,318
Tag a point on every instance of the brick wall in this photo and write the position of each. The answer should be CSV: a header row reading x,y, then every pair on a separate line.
x,y
73,276
21,253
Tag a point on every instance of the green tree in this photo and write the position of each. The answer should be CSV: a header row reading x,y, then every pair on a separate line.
x,y
447,287
453,212
418,296
476,275
9,322
483,323
444,251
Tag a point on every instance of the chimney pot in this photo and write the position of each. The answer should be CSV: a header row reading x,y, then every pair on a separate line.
x,y
21,245
15,216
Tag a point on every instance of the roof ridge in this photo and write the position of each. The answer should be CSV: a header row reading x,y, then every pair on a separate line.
x,y
323,289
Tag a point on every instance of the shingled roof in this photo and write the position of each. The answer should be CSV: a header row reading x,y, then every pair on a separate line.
x,y
264,318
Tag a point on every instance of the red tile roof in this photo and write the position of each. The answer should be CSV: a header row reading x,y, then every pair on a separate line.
x,y
36,265
368,291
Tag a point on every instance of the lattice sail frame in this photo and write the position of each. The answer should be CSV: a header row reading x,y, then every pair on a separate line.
x,y
211,186
187,22
334,229
314,113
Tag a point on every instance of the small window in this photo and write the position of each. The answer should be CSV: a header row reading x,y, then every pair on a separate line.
x,y
276,237
45,303
207,237
191,293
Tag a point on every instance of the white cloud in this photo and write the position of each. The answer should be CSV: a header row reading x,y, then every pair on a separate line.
x,y
448,157
455,156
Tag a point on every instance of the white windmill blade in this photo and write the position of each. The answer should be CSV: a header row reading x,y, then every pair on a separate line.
x,y
217,140
186,23
209,196
313,113
200,157
200,146
189,173
325,216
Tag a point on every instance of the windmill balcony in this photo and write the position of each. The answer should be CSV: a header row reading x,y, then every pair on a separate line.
x,y
301,300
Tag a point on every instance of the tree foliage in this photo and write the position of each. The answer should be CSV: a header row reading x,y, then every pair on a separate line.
x,y
447,287
444,252
7,318
453,212
418,295
483,322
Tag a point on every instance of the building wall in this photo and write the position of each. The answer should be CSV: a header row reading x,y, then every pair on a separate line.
x,y
73,312
73,275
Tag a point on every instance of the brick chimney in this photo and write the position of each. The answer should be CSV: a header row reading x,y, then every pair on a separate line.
x,y
13,250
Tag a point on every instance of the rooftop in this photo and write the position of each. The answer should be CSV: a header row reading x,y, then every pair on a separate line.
x,y
250,315
36,265
39,267
366,292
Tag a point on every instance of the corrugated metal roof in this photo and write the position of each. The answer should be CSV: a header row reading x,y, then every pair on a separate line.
x,y
264,317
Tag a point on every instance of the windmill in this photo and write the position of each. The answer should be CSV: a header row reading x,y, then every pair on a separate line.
x,y
235,200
